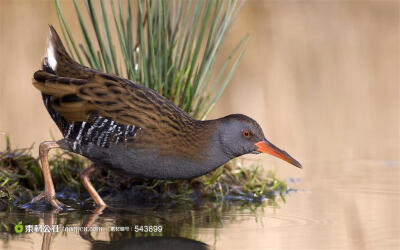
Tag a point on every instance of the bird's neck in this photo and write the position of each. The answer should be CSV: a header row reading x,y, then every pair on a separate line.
x,y
197,147
210,148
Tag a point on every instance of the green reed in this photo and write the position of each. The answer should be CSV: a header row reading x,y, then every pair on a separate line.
x,y
170,46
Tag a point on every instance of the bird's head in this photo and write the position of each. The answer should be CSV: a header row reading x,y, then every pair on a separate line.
x,y
239,135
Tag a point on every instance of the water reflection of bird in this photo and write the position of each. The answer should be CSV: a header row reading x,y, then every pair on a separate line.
x,y
151,243
121,125
142,243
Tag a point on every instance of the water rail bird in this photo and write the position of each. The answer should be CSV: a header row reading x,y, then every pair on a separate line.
x,y
124,126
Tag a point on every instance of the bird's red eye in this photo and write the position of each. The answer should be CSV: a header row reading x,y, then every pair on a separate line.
x,y
246,133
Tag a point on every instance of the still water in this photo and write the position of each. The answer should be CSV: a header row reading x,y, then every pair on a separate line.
x,y
321,78
356,207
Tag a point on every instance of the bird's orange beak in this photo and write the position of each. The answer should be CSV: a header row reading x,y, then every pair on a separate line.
x,y
269,148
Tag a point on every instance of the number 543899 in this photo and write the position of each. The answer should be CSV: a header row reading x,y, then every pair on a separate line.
x,y
148,229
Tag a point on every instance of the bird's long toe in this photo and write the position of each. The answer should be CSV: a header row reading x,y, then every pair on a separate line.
x,y
38,197
50,199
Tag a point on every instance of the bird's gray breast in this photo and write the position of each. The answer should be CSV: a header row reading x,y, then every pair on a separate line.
x,y
146,163
149,163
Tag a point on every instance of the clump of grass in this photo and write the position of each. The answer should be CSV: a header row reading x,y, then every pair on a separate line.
x,y
170,46
21,179
20,173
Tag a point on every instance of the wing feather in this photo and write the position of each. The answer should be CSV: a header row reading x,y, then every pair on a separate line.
x,y
123,101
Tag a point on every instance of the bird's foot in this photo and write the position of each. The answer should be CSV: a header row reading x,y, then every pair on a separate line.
x,y
51,199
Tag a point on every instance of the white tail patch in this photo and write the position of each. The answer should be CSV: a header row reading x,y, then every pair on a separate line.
x,y
51,57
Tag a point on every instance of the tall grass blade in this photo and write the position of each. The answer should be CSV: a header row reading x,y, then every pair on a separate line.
x,y
65,25
170,46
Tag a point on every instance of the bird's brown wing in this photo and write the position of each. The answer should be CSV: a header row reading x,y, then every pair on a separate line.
x,y
103,95
126,103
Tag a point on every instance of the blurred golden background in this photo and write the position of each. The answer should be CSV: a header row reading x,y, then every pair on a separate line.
x,y
321,78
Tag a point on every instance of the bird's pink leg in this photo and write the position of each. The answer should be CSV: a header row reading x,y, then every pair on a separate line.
x,y
49,191
89,187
